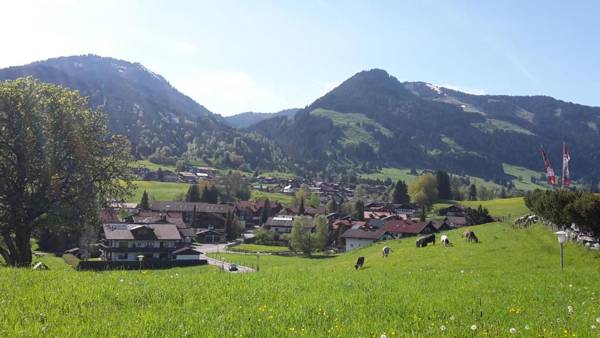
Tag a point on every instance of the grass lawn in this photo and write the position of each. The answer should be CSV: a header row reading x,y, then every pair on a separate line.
x,y
272,196
152,166
513,207
158,191
511,279
258,248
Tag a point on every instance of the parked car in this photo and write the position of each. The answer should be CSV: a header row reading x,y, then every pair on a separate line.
x,y
233,267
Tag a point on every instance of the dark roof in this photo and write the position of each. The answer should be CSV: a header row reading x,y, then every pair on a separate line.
x,y
364,233
189,207
280,221
187,251
164,231
405,227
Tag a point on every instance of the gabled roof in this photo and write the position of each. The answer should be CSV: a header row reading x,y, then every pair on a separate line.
x,y
364,233
164,231
405,227
187,251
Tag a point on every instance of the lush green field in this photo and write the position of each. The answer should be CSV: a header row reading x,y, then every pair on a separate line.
x,y
152,166
522,178
501,207
258,248
158,191
509,280
272,196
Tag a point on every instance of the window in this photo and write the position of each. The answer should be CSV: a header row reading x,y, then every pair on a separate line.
x,y
122,245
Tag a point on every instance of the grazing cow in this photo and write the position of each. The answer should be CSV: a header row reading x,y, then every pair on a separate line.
x,y
386,251
422,242
445,240
359,262
470,236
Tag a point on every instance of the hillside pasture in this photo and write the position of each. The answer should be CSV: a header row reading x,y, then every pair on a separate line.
x,y
158,191
509,280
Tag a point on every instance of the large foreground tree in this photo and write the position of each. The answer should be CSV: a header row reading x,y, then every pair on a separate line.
x,y
58,165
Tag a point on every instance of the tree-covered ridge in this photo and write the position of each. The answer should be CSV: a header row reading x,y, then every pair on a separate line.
x,y
159,121
426,126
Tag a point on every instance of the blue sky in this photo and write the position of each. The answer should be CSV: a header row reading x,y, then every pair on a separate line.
x,y
235,56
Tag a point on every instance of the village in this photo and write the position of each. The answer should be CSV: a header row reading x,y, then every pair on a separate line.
x,y
182,233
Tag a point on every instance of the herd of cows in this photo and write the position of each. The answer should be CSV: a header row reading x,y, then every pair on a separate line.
x,y
422,242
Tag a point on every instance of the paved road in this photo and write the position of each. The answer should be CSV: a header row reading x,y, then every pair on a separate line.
x,y
222,247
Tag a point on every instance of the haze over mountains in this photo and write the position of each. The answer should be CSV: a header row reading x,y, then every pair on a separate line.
x,y
368,122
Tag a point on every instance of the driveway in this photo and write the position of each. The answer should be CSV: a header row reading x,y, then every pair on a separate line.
x,y
220,247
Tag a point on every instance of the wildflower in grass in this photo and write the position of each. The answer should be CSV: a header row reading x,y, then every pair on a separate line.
x,y
443,328
526,327
570,309
512,330
598,320
451,317
593,327
121,280
383,336
474,327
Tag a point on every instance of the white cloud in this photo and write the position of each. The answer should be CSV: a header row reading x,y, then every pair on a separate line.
x,y
228,92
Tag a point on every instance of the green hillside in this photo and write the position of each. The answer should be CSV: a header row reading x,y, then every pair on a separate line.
x,y
509,280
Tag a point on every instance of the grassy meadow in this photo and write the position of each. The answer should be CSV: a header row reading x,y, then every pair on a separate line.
x,y
284,199
158,191
509,280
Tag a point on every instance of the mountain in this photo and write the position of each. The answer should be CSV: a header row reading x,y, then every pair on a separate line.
x,y
372,120
161,122
247,119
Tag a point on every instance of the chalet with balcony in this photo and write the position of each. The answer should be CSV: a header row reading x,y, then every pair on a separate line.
x,y
125,242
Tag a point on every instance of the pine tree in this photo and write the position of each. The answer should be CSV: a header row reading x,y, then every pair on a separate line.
x,y
331,206
301,210
400,193
359,210
144,204
443,185
472,193
266,212
193,194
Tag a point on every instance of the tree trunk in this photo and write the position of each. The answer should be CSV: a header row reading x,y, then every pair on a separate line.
x,y
22,241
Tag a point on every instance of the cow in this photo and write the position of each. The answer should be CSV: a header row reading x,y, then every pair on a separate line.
x,y
422,242
470,236
445,240
386,251
359,262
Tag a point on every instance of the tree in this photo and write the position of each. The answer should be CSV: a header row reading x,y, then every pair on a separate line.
x,y
358,210
443,185
265,212
300,237
301,210
472,193
58,165
480,215
230,228
423,191
144,204
160,175
193,194
321,237
400,193
331,206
